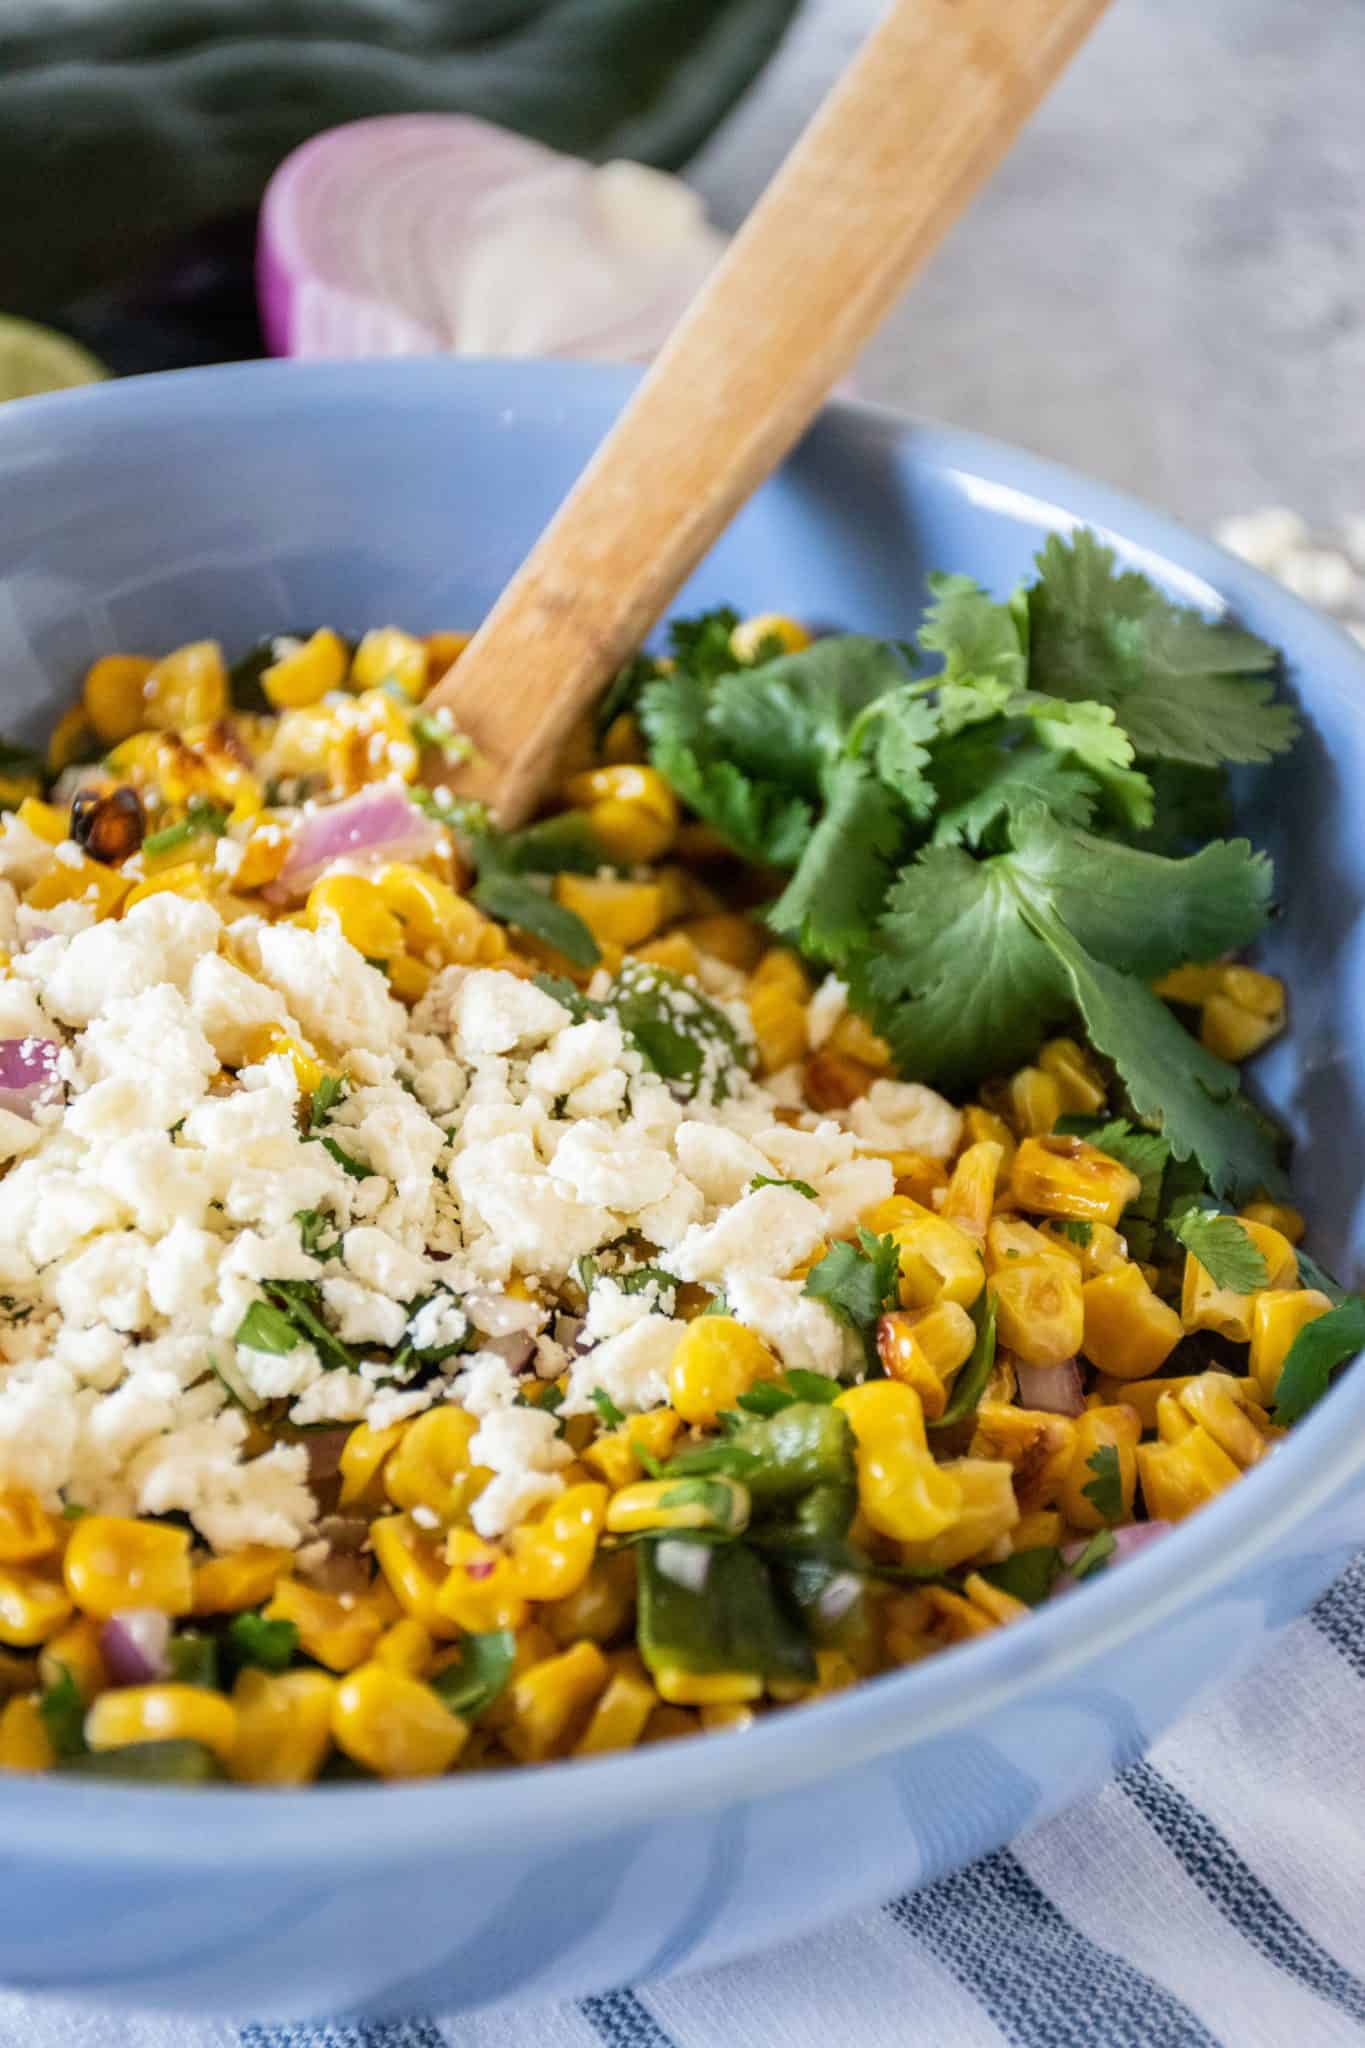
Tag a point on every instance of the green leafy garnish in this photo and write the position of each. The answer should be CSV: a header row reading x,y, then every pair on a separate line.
x,y
199,820
259,1639
469,1684
770,1397
63,1714
551,846
1229,1256
1095,1556
1315,1354
430,731
192,1659
726,1460
678,1031
768,1180
1028,1575
21,762
347,1161
972,1381
313,1226
517,902
611,1415
1105,1491
1076,1231
329,1093
290,1314
859,1282
267,1328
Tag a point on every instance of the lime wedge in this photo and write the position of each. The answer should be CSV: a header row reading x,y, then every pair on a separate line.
x,y
34,359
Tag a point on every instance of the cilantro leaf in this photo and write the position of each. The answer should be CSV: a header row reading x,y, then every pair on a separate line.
x,y
1028,1575
63,1714
516,902
981,780
1144,1153
266,1328
731,1461
548,847
840,885
680,1032
1184,687
788,721
469,1684
768,1180
259,1639
977,637
331,1090
1095,1556
1105,1490
974,1377
611,1415
1315,1354
905,724
859,1282
704,646
1228,1255
1076,1231
313,1227
759,819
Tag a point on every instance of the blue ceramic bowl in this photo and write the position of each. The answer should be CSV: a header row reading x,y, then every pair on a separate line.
x,y
246,500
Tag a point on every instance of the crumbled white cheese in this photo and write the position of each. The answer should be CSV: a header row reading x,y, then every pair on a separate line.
x,y
234,1010
486,1384
905,1116
802,1331
523,1450
359,1315
769,1231
824,1010
631,1367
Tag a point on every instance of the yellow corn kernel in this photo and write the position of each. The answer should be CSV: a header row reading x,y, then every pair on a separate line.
x,y
938,1262
623,740
1038,1445
1188,985
970,1196
75,1649
113,697
162,1713
1277,1316
443,651
554,1554
1233,1033
1172,1421
1033,1102
1177,1478
409,978
414,1570
394,1725
1279,1215
980,1126
1082,1088
956,1620
1129,1331
1009,1238
80,881
997,1605
988,1514
434,920
672,951
764,632
27,1530
905,1620
355,908
407,1646
601,1608
925,1348
24,1741
1263,994
302,739
1102,1251
481,1590
284,1726
613,1453
244,1578
716,1361
1040,1529
45,821
362,1461
306,672
548,1703
632,811
113,1561
727,936
186,688
854,1037
1067,1177
183,878
430,1467
71,740
675,1504
369,739
728,1715
778,1021
620,1716
386,655
1040,1310
615,912
1119,1429
1214,1401
681,1688
1206,1306
331,1631
902,1492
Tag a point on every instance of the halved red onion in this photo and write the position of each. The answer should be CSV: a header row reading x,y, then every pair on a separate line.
x,y
28,1074
133,1644
1054,1388
1128,1541
378,823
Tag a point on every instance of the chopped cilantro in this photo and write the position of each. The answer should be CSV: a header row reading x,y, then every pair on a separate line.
x,y
1105,1490
1028,1575
259,1639
63,1715
474,1678
611,1415
729,1460
1315,1354
192,1659
289,1315
72,1510
347,1161
972,1380
765,1398
433,732
330,1091
1077,1232
643,1277
313,1226
266,1328
200,819
1095,1556
768,1180
514,901
1229,1256
859,1282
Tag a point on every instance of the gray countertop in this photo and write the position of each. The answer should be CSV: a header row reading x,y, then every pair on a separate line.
x,y
1165,282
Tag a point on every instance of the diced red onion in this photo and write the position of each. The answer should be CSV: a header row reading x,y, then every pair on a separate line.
x,y
324,1448
838,1596
414,234
1134,1536
569,1333
502,1315
133,1644
687,1564
378,823
28,1074
516,1350
1054,1388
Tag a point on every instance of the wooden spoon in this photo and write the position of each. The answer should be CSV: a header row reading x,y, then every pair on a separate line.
x,y
925,110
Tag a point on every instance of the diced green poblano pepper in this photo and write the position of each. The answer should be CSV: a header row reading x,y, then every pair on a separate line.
x,y
735,1619
802,1446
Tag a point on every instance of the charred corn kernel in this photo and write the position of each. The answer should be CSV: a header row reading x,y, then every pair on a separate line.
x,y
632,811
162,1713
710,1503
1009,1238
623,740
264,852
1206,1306
984,1521
728,1715
433,918
1142,1395
1067,1177
443,651
302,739
1279,1215
982,1125
554,1554
602,1606
1038,1445
1189,985
481,1590
27,1530
1214,1401
548,1703
727,936
1277,1316
1102,1251
307,671
1129,1331
186,688
17,1673
854,1037
414,1568
1177,1478
362,1460
778,1021
80,881
830,1080
673,951
17,789
919,1178
430,1467
1082,1088
113,697
1040,1310
706,1688
244,1578
355,908
75,1649
906,1619
1172,1420
369,740
1040,1529
394,1725
284,1726
781,968
24,1741
615,912
386,655
938,1262
956,1619
1034,1101
407,1646
72,737
613,1454
620,1716
1233,1033
717,1360
46,821
925,1349
766,633
997,1605
330,1631
970,1195
113,1561
1101,1429
903,1493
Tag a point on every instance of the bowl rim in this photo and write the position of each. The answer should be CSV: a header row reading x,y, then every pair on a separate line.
x,y
356,1826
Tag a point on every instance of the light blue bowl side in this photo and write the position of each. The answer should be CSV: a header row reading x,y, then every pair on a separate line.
x,y
257,499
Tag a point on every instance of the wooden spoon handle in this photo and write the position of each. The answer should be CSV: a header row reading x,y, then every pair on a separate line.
x,y
925,110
